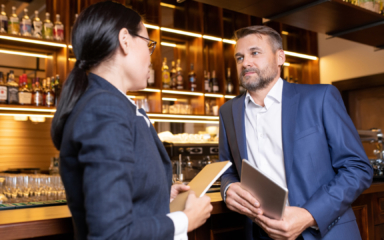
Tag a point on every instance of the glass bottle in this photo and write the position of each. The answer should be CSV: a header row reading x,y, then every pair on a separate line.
x,y
3,20
37,26
229,82
215,83
57,88
3,90
13,89
165,75
25,95
192,79
26,25
58,30
47,28
151,79
49,95
14,23
207,85
44,89
179,76
37,99
173,76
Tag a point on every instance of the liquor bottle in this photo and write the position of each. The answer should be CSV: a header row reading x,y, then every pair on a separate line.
x,y
165,75
215,83
229,82
179,76
44,89
26,25
13,89
3,20
37,99
3,90
192,79
25,95
37,26
47,28
151,79
57,88
207,86
49,95
173,76
58,29
14,23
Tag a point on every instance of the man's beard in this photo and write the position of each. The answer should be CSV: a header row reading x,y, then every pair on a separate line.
x,y
260,81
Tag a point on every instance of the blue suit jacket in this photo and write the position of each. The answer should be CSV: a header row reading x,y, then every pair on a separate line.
x,y
325,164
115,170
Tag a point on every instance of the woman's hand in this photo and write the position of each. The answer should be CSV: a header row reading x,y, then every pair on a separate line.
x,y
176,189
198,210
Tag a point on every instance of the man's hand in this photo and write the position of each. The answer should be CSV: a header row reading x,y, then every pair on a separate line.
x,y
176,189
241,201
295,220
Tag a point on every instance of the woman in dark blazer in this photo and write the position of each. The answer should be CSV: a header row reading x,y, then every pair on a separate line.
x,y
115,170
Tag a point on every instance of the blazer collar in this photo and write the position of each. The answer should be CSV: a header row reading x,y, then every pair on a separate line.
x,y
238,112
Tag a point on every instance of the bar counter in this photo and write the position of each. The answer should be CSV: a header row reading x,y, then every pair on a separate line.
x,y
56,222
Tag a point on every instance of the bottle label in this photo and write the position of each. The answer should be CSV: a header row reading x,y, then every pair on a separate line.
x,y
58,33
207,88
179,80
3,25
38,99
215,88
13,95
26,27
166,79
50,100
3,93
37,29
48,31
13,25
25,97
151,79
230,88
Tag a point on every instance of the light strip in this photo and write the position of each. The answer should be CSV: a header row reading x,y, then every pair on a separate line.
x,y
287,64
180,32
212,38
131,96
72,59
27,115
167,5
33,41
181,116
182,93
150,90
25,54
183,121
70,46
214,95
169,99
300,55
151,26
229,41
168,44
28,109
284,32
230,96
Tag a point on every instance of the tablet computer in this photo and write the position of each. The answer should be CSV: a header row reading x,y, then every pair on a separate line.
x,y
271,196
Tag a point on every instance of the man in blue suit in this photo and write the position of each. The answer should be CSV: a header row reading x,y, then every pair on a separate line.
x,y
298,135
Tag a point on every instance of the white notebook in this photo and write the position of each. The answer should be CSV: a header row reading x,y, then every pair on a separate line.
x,y
200,183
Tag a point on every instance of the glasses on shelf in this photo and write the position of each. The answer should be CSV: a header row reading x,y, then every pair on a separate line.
x,y
151,44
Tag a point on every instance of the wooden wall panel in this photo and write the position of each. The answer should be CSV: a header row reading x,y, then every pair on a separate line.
x,y
25,144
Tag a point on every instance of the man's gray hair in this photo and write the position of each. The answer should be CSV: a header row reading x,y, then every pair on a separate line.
x,y
274,37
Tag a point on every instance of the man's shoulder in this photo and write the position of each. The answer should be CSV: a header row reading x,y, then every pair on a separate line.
x,y
228,105
312,90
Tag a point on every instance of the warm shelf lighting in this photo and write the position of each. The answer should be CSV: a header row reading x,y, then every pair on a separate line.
x,y
180,32
169,99
33,41
183,121
287,64
72,59
25,54
28,109
284,32
299,55
168,44
28,115
150,90
182,93
229,41
182,116
167,5
212,38
70,46
214,95
151,26
131,96
230,96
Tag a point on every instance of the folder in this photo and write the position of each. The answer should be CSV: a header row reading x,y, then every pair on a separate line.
x,y
200,183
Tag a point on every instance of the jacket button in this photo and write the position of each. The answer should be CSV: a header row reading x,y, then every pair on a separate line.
x,y
338,218
329,227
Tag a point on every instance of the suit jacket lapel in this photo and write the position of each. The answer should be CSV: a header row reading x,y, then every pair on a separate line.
x,y
288,117
238,112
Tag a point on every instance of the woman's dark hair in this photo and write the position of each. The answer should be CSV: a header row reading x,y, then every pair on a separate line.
x,y
94,39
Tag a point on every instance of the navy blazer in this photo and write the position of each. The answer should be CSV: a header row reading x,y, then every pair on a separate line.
x,y
325,164
115,170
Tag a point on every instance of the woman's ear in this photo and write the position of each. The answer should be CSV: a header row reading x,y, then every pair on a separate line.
x,y
124,39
